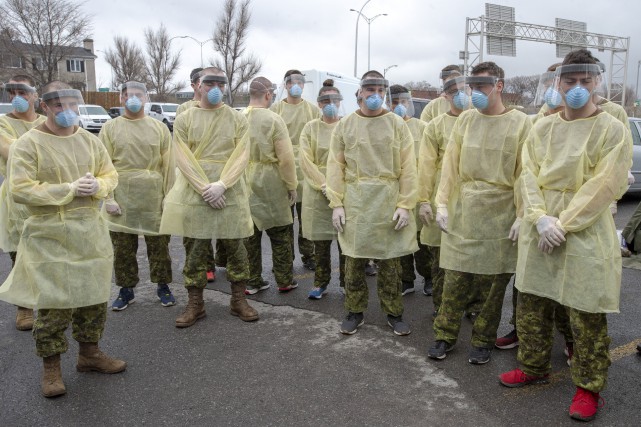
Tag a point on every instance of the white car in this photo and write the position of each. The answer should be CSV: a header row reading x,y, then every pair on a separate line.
x,y
635,128
163,111
92,117
5,108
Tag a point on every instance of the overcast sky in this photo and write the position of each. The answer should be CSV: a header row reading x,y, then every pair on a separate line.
x,y
420,36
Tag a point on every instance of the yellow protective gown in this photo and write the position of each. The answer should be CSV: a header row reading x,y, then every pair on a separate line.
x,y
571,170
314,149
430,164
295,117
481,165
272,169
12,215
618,112
65,258
371,171
435,108
416,127
209,145
140,150
186,106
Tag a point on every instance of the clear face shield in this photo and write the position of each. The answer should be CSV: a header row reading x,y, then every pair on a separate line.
x,y
547,93
401,104
63,106
446,75
457,93
481,88
293,86
213,88
331,105
20,95
373,92
577,83
602,82
133,96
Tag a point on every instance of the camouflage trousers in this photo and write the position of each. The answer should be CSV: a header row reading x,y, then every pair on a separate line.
x,y
220,259
280,238
437,274
591,359
323,259
126,262
305,246
198,261
458,289
388,285
561,317
49,327
421,258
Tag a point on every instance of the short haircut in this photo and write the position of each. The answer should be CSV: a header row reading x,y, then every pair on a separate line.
x,y
54,86
553,67
195,75
452,68
581,56
25,79
259,86
372,73
489,67
394,89
290,72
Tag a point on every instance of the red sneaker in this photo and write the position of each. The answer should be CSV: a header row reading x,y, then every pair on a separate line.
x,y
211,275
585,404
507,341
518,378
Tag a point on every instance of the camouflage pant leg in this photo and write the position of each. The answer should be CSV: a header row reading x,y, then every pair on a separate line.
x,y
221,254
125,258
591,358
281,254
197,261
515,297
492,291
422,260
237,264
323,259
407,268
437,274
50,324
305,246
254,257
388,286
562,322
159,258
356,292
212,259
457,287
475,303
535,323
341,265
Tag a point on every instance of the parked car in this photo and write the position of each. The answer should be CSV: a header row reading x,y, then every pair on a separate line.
x,y
165,112
116,112
5,108
635,128
92,117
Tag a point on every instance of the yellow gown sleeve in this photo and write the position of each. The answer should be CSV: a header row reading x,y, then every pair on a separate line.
x,y
529,192
105,174
450,169
6,139
427,161
336,169
108,143
185,159
518,200
407,183
311,171
239,159
285,155
168,161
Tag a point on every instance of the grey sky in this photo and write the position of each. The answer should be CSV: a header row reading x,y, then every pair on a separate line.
x,y
417,35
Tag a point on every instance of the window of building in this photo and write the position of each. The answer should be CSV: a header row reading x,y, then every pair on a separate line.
x,y
38,63
75,65
11,61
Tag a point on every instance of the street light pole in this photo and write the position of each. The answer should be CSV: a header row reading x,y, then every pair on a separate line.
x,y
356,39
369,33
387,69
636,91
197,41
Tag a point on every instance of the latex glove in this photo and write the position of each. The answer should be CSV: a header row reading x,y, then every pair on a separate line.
x,y
292,195
219,203
514,230
549,232
112,207
338,218
425,213
441,218
544,247
324,189
85,186
213,191
613,208
402,218
630,178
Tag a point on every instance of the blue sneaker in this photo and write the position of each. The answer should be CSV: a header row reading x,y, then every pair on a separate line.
x,y
125,297
165,296
317,293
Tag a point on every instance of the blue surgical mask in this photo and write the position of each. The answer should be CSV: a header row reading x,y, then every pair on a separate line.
x,y
296,91
461,100
374,102
215,95
20,104
480,100
400,110
330,111
552,98
66,118
577,97
133,104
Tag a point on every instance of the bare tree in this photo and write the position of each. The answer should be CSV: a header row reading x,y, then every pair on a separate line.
x,y
230,36
522,89
41,32
161,64
127,61
422,85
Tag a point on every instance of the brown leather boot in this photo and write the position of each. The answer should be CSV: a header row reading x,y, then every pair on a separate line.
x,y
90,358
239,306
24,319
195,308
52,384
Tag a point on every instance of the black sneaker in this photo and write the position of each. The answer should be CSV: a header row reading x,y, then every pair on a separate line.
x,y
309,264
434,314
370,269
351,323
438,349
472,315
408,288
400,327
480,355
427,287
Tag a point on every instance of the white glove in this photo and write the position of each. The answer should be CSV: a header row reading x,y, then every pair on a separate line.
x,y
402,218
292,195
85,186
441,218
425,213
514,230
630,178
338,218
544,247
549,232
324,189
214,191
219,203
112,207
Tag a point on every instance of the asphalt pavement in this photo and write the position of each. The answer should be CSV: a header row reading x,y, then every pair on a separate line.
x,y
294,368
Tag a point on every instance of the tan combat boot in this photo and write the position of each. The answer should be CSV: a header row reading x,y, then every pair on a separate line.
x,y
52,384
24,319
90,358
239,306
195,308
